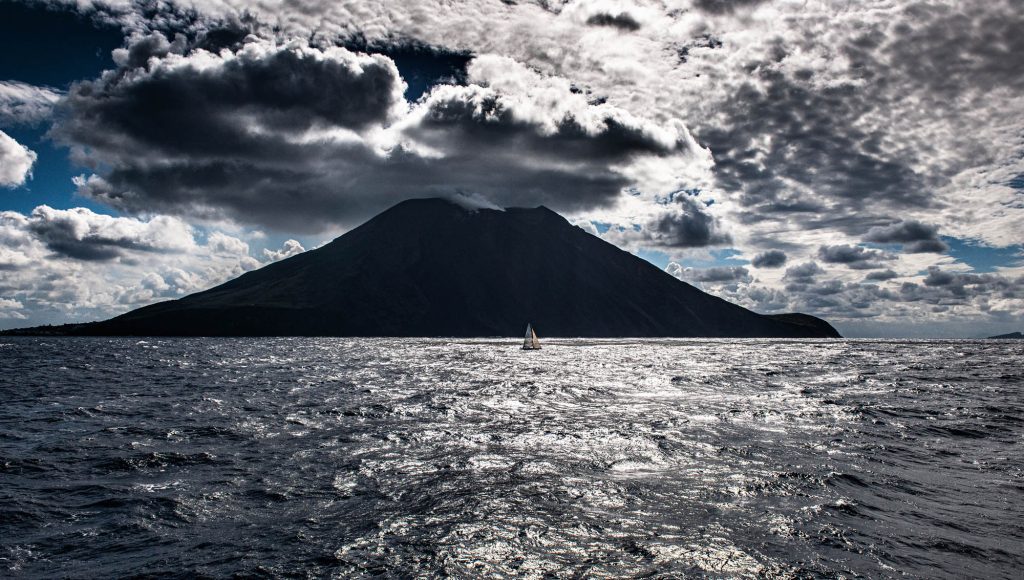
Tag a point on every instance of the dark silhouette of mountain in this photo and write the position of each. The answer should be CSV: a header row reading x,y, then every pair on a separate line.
x,y
1016,335
430,267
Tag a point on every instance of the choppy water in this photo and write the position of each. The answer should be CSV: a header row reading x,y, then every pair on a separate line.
x,y
317,457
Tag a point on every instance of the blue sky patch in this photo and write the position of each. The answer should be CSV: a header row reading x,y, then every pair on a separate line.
x,y
984,258
54,47
659,259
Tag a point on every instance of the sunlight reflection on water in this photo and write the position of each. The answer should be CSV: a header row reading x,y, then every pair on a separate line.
x,y
590,458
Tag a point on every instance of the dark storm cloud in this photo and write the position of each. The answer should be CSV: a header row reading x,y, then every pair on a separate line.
x,y
482,120
937,277
881,276
298,138
294,198
138,53
855,257
725,6
769,259
62,241
915,236
691,226
803,273
289,88
230,34
622,21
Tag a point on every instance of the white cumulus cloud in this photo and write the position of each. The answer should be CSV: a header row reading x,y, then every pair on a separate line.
x,y
16,162
22,103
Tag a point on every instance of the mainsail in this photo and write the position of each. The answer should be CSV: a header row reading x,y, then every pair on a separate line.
x,y
531,342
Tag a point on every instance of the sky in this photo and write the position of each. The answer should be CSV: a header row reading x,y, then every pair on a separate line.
x,y
862,161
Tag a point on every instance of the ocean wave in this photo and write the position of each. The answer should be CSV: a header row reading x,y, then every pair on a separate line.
x,y
468,458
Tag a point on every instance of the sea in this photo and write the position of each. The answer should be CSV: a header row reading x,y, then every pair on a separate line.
x,y
331,457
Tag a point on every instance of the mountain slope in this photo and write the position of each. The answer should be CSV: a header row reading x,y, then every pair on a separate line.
x,y
429,267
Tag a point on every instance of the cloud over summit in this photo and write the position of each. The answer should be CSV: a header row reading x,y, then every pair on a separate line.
x,y
295,137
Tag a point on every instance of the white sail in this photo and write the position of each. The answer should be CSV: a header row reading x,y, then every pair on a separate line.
x,y
530,342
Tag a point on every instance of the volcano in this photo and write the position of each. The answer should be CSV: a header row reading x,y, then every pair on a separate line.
x,y
432,267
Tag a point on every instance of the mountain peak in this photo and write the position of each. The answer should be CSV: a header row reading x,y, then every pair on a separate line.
x,y
435,267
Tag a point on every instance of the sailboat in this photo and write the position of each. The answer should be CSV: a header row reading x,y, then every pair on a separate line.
x,y
531,342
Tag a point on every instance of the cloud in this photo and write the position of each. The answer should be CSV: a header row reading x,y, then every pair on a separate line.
x,y
688,226
804,273
621,16
881,276
299,138
263,86
791,149
769,259
954,51
724,6
941,287
838,121
726,280
722,274
289,249
24,104
472,202
622,20
16,162
915,236
84,235
587,226
222,244
937,277
10,309
932,303
68,265
855,257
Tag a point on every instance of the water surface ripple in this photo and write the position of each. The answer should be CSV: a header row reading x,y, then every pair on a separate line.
x,y
663,458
